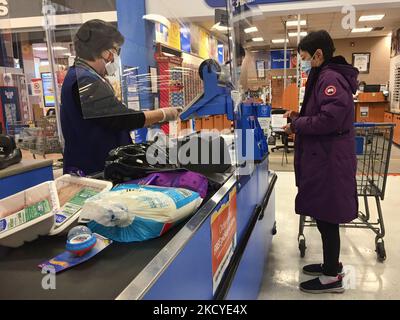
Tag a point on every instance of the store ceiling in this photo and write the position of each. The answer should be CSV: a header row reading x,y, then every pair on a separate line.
x,y
274,28
61,50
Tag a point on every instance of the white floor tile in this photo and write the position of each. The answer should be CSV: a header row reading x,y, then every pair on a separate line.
x,y
367,279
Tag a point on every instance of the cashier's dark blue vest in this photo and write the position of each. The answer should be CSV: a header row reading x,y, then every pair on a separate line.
x,y
87,143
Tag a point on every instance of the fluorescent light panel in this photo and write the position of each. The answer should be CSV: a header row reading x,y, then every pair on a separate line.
x,y
251,30
295,23
260,39
45,48
376,17
219,27
279,41
294,34
359,30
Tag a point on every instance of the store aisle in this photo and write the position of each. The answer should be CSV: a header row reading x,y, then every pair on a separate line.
x,y
373,280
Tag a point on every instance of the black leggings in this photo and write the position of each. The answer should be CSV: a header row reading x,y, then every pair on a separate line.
x,y
331,247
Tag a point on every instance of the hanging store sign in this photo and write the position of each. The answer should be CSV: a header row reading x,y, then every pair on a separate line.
x,y
185,40
278,59
4,8
222,3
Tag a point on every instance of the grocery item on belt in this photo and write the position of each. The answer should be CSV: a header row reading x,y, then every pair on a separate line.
x,y
67,259
24,215
179,179
132,213
80,240
28,214
72,192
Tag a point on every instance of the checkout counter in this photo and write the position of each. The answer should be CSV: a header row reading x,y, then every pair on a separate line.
x,y
186,263
371,107
394,117
175,266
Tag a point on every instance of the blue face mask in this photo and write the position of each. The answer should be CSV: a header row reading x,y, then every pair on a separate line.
x,y
306,65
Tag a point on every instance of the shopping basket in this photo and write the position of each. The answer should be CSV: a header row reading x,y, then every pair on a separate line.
x,y
373,148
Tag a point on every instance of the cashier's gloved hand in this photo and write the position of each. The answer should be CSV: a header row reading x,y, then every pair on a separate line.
x,y
171,114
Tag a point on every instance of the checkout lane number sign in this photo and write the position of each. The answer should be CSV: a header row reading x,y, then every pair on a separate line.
x,y
223,236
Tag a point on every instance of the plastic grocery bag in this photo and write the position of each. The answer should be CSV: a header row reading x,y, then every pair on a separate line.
x,y
132,212
177,179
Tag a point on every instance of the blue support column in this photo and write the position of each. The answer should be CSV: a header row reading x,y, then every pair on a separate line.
x,y
138,50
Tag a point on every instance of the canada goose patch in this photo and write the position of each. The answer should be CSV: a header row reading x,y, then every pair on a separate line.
x,y
330,91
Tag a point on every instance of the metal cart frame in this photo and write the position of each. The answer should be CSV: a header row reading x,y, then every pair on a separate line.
x,y
373,147
42,139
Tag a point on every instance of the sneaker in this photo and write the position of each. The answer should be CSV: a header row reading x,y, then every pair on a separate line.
x,y
317,270
315,286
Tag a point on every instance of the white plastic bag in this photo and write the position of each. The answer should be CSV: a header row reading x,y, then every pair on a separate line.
x,y
136,213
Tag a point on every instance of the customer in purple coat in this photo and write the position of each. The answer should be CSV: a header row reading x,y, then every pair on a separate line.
x,y
325,159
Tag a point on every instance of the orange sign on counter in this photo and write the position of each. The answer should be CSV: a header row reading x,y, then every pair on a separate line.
x,y
223,236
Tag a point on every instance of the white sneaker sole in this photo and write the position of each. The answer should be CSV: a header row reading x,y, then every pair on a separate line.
x,y
317,274
333,290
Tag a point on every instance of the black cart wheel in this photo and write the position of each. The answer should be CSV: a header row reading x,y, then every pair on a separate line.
x,y
380,251
302,247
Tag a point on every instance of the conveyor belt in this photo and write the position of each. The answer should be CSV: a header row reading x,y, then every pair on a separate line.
x,y
103,277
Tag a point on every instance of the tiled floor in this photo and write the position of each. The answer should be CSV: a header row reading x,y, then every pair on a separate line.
x,y
367,279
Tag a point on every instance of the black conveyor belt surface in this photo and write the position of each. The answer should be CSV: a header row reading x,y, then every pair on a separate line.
x,y
104,276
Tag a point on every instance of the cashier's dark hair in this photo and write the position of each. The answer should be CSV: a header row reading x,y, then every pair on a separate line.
x,y
318,40
94,37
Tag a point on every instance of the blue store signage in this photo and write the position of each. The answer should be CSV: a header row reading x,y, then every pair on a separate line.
x,y
222,3
278,59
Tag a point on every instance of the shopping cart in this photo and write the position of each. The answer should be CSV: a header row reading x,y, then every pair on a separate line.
x,y
373,147
42,139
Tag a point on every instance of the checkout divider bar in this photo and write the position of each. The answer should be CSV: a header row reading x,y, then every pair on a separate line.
x,y
258,215
138,288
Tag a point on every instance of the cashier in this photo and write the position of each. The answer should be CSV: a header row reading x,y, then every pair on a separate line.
x,y
325,159
94,121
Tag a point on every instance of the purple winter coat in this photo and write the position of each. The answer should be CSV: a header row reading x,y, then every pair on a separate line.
x,y
325,158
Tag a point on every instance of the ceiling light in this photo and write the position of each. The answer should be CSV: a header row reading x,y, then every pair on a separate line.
x,y
157,18
376,17
280,41
295,23
251,30
260,39
294,34
220,27
59,48
45,48
359,30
